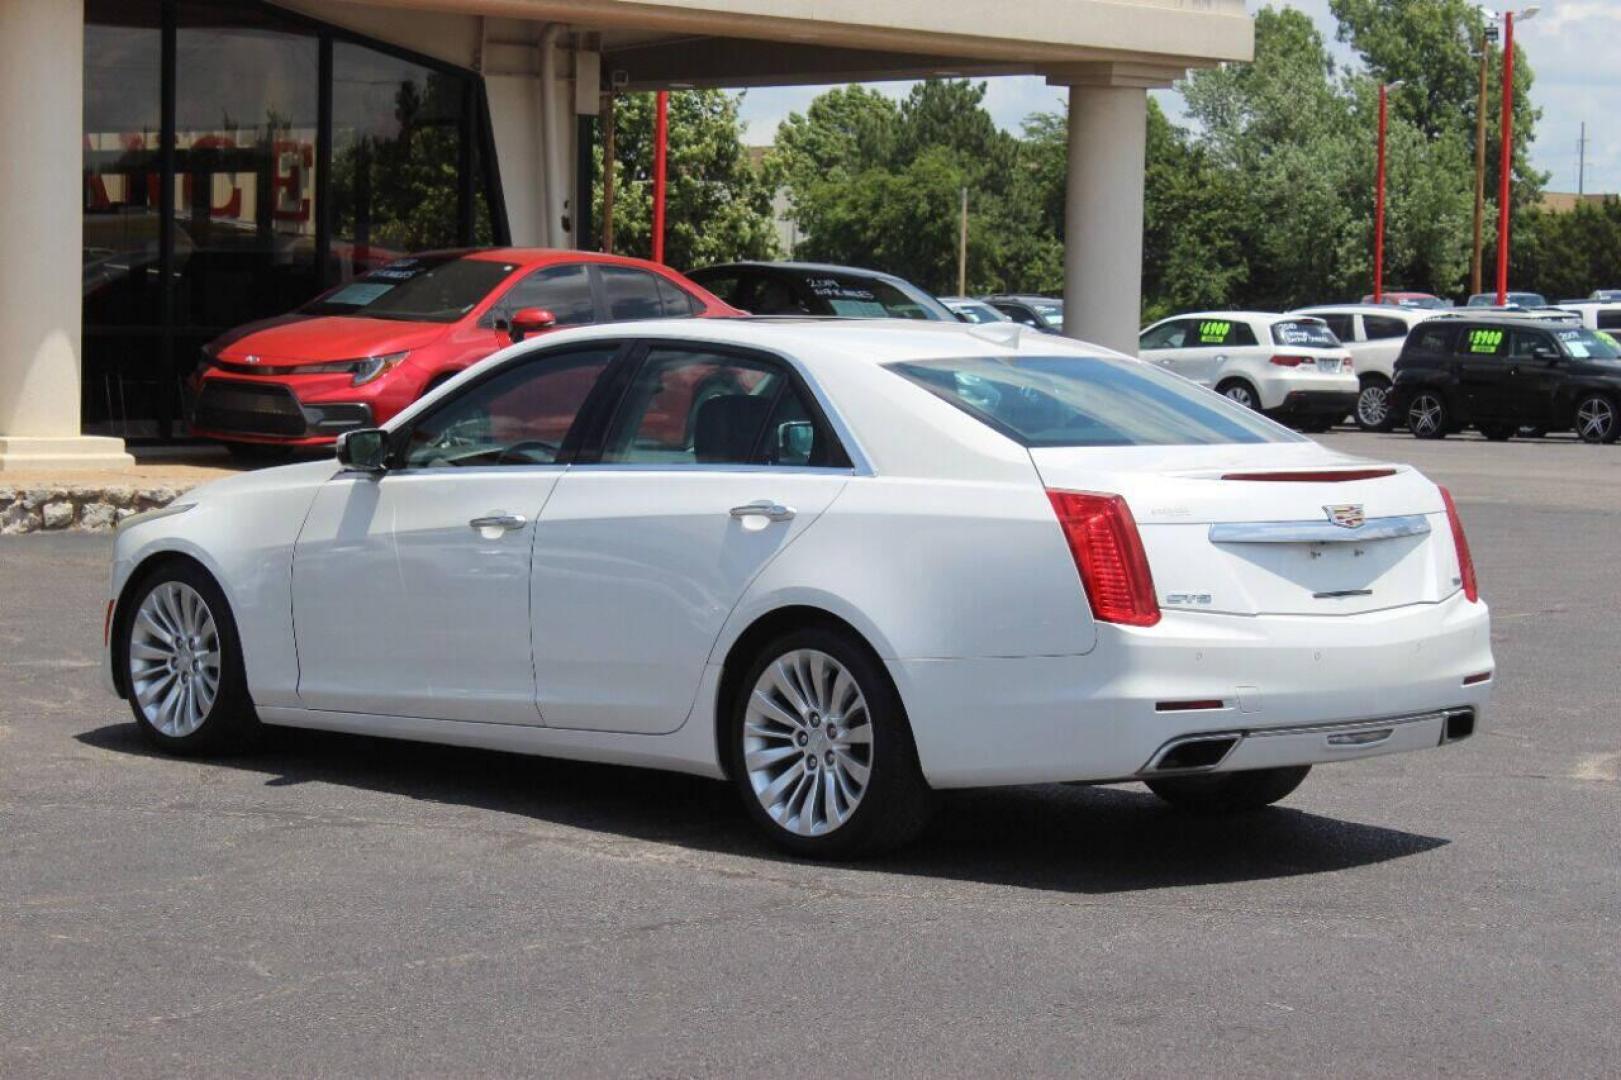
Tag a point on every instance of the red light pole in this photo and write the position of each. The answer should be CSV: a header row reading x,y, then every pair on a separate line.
x,y
661,137
1507,158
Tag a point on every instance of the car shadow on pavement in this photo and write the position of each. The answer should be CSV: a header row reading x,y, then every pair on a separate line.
x,y
1056,837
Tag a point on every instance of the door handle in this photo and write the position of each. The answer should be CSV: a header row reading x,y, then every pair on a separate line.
x,y
764,508
497,520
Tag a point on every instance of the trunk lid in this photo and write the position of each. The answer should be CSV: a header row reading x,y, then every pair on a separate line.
x,y
1272,529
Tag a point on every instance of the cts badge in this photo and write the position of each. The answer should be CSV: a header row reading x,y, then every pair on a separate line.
x,y
1346,515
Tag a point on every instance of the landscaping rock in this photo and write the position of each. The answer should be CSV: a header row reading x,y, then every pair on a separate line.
x,y
57,515
97,516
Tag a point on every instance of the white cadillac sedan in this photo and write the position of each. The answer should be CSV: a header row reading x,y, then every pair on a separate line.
x,y
843,565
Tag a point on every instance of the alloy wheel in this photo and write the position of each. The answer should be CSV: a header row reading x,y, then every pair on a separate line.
x,y
1426,415
808,742
1595,420
174,659
1240,394
1373,406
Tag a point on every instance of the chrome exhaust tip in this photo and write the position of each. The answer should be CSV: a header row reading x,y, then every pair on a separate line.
x,y
1194,753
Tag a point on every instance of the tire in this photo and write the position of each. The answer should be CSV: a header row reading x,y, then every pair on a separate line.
x,y
1596,420
211,712
1229,793
259,453
1373,406
1240,392
1428,416
779,722
1497,432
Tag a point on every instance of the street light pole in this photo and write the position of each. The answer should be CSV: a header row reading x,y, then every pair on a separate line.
x,y
1379,202
1507,166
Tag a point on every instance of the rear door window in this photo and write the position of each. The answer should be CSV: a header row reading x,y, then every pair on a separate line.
x,y
1382,327
632,294
1304,333
1088,401
1219,333
1484,341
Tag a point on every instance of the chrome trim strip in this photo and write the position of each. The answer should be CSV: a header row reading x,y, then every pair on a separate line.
x,y
1317,532
1338,727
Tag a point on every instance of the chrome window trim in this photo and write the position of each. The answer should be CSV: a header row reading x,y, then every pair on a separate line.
x,y
1318,532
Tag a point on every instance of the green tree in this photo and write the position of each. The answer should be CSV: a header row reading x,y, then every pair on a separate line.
x,y
718,204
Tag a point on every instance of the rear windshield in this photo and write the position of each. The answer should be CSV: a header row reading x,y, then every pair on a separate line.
x,y
1089,401
1308,333
865,298
1051,312
1588,345
433,288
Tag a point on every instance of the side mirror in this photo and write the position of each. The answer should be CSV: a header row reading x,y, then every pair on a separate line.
x,y
365,449
1545,352
530,320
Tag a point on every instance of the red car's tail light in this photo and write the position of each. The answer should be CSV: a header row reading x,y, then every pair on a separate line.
x,y
1466,562
1291,361
1109,554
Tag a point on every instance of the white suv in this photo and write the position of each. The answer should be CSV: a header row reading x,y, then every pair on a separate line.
x,y
1374,335
1291,367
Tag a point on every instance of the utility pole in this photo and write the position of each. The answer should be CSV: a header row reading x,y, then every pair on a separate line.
x,y
962,247
1581,162
608,172
1486,39
1506,169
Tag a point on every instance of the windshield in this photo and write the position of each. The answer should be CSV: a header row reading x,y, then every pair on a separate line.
x,y
1308,333
1518,299
866,298
1588,344
1432,303
977,313
1088,401
432,288
1051,312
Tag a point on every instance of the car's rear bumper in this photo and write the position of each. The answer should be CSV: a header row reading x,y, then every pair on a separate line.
x,y
1103,716
1316,403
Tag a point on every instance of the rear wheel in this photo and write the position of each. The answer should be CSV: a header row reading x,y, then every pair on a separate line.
x,y
1240,393
1226,793
821,751
1497,432
1373,405
1596,419
1427,416
182,663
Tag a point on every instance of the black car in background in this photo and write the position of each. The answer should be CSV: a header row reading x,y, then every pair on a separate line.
x,y
1044,313
787,288
1501,374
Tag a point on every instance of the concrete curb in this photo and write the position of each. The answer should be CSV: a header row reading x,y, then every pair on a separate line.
x,y
60,508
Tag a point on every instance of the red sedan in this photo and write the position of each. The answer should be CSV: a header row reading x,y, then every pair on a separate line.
x,y
360,353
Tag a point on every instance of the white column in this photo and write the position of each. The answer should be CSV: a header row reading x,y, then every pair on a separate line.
x,y
1103,214
41,230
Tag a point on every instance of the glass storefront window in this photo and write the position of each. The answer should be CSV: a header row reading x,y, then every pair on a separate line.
x,y
407,173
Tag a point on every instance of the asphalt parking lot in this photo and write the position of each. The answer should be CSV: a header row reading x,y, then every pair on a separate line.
x,y
336,905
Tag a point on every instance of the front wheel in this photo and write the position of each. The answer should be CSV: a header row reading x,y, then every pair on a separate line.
x,y
1427,416
1373,406
1227,793
1596,419
182,664
821,751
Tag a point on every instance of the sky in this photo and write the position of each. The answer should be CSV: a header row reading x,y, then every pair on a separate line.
x,y
1569,45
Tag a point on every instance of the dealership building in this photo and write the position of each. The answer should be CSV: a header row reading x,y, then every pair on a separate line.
x,y
173,168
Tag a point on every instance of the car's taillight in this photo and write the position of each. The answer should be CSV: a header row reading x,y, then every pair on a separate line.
x,y
1347,365
1466,562
1291,361
1109,554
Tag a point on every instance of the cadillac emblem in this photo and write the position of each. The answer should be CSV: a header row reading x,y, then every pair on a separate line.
x,y
1346,515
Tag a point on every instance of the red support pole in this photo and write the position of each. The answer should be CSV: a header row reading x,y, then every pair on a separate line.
x,y
661,137
1379,206
1508,158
